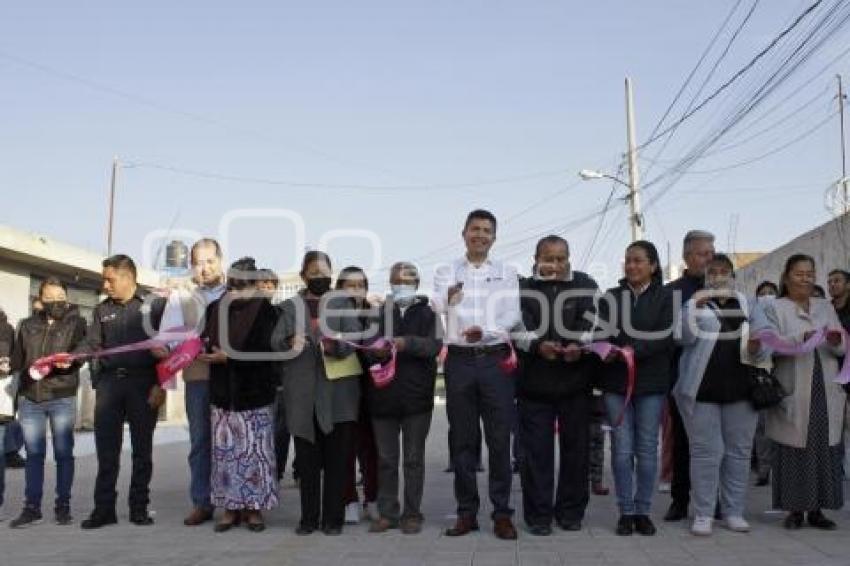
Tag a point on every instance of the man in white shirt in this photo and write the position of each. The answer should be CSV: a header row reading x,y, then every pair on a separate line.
x,y
480,300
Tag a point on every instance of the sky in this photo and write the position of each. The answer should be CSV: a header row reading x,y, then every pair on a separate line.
x,y
393,120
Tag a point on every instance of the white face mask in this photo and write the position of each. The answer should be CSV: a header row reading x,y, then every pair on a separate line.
x,y
720,283
403,294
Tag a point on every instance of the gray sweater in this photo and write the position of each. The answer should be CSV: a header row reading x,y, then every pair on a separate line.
x,y
307,392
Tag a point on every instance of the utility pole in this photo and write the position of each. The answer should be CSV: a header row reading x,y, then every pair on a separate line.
x,y
841,97
635,218
111,216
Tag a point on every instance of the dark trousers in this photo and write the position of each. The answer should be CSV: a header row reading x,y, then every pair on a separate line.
x,y
121,399
363,451
596,440
414,431
477,390
680,487
322,475
537,472
281,435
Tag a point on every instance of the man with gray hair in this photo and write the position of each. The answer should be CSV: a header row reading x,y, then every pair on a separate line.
x,y
697,251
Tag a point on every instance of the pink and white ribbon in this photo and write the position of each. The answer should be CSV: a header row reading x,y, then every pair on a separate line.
x,y
785,347
189,347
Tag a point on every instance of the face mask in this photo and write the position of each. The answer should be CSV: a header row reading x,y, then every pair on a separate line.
x,y
403,294
55,309
319,285
720,283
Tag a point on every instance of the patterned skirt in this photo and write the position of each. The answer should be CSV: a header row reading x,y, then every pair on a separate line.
x,y
243,459
810,478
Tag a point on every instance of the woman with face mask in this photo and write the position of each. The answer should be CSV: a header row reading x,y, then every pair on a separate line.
x,y
712,395
353,282
806,425
322,398
762,445
51,401
401,411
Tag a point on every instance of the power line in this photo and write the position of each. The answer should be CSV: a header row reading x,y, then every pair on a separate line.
x,y
325,185
710,73
830,22
729,82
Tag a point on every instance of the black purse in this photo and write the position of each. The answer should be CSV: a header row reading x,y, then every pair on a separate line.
x,y
765,389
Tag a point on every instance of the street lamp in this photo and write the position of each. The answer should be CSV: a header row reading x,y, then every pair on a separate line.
x,y
592,175
636,218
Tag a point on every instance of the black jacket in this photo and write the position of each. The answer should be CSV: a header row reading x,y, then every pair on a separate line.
x,y
412,390
540,379
117,324
243,384
36,339
651,311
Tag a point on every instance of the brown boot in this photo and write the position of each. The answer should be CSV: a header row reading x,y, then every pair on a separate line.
x,y
463,526
197,517
411,525
504,529
382,525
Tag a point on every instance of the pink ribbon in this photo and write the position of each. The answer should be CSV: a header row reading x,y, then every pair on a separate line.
x,y
603,350
382,374
184,354
508,364
783,346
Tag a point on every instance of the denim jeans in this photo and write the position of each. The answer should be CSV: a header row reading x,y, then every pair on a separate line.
x,y
13,438
721,443
197,396
60,414
2,467
634,450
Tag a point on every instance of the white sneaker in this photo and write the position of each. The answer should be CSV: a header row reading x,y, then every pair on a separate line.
x,y
737,524
664,487
352,513
701,526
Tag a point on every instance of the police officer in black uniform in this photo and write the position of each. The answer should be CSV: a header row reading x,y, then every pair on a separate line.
x,y
126,390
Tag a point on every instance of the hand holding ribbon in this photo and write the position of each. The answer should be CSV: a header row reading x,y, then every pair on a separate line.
x,y
608,352
190,345
812,340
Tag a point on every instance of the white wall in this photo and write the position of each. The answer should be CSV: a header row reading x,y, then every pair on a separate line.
x,y
828,244
14,291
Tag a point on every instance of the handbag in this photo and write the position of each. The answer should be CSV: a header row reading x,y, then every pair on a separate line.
x,y
765,390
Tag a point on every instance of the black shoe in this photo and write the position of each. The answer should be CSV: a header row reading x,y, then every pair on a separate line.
x,y
793,521
540,530
569,524
140,517
676,512
15,460
99,519
625,526
644,526
819,521
304,529
62,515
29,516
332,531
